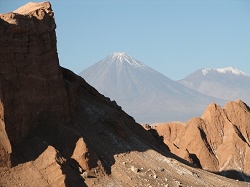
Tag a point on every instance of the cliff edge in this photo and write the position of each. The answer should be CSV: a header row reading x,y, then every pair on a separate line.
x,y
57,130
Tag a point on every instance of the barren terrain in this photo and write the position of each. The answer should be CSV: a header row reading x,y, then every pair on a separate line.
x,y
57,130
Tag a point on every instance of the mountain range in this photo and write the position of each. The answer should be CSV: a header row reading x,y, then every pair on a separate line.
x,y
57,130
144,93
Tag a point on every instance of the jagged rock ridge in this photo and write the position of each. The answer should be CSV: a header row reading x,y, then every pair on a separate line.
x,y
56,130
219,140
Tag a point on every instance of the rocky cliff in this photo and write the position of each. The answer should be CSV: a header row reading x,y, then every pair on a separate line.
x,y
31,81
219,140
56,130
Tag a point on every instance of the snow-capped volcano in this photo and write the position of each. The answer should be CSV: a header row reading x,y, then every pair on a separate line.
x,y
224,71
144,93
122,57
225,83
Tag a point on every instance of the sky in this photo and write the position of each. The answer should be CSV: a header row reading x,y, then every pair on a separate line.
x,y
174,37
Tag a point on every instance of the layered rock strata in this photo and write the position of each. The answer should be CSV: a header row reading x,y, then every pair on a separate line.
x,y
31,81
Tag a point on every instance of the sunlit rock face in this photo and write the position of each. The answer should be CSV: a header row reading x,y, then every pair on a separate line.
x,y
219,140
57,130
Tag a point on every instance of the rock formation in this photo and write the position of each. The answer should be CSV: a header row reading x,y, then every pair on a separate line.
x,y
30,72
56,130
219,140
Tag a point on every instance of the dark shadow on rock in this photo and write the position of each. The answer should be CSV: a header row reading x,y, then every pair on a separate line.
x,y
105,127
72,171
195,160
156,135
36,115
62,138
233,174
112,133
204,137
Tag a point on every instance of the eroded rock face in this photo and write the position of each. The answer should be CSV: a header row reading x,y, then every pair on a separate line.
x,y
5,147
51,120
31,83
57,130
219,139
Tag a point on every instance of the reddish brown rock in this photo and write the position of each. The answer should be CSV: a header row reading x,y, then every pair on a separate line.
x,y
57,130
31,82
219,139
5,147
30,72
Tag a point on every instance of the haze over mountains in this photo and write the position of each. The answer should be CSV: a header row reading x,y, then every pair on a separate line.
x,y
57,130
224,83
144,93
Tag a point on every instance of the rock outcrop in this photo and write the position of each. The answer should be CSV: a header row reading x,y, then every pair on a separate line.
x,y
219,140
57,130
31,81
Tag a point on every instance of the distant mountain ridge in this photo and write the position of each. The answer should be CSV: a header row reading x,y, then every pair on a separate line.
x,y
224,83
57,130
144,93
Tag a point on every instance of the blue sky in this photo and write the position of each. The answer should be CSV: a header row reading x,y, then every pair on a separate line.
x,y
175,37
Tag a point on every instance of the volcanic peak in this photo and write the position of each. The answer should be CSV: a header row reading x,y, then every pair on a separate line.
x,y
123,58
224,70
119,54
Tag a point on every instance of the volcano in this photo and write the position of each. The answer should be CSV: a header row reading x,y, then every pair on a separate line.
x,y
144,93
225,83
